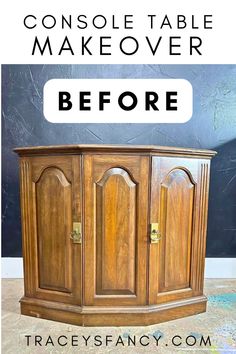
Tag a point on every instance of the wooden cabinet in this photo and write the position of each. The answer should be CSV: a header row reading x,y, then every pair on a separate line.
x,y
113,235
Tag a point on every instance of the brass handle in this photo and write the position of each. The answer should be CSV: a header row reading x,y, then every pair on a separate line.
x,y
76,234
155,234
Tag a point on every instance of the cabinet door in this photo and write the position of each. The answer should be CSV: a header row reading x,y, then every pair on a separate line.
x,y
179,190
115,244
50,204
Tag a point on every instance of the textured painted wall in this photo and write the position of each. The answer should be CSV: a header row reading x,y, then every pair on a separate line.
x,y
213,126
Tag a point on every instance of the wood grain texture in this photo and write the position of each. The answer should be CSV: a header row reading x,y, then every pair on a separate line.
x,y
93,148
176,208
54,220
129,316
116,206
47,207
29,252
175,205
115,196
199,243
116,276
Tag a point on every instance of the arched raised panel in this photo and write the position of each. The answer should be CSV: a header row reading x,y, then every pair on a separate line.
x,y
53,208
53,172
115,233
177,204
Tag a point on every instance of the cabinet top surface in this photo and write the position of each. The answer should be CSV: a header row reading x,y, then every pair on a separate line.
x,y
87,148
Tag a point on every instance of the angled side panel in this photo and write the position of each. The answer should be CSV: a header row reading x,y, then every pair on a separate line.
x,y
54,219
177,196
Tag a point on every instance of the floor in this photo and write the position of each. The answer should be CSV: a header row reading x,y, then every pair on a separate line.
x,y
219,323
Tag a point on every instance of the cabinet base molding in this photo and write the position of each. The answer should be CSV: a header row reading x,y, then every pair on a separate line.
x,y
112,316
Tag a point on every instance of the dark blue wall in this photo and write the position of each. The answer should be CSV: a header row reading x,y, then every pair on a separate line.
x,y
213,126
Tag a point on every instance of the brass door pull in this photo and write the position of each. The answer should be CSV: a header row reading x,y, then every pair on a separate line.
x,y
155,234
76,234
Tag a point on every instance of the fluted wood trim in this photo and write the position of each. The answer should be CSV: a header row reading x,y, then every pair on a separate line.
x,y
25,185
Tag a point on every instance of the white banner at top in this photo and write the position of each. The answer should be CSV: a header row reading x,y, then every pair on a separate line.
x,y
118,32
